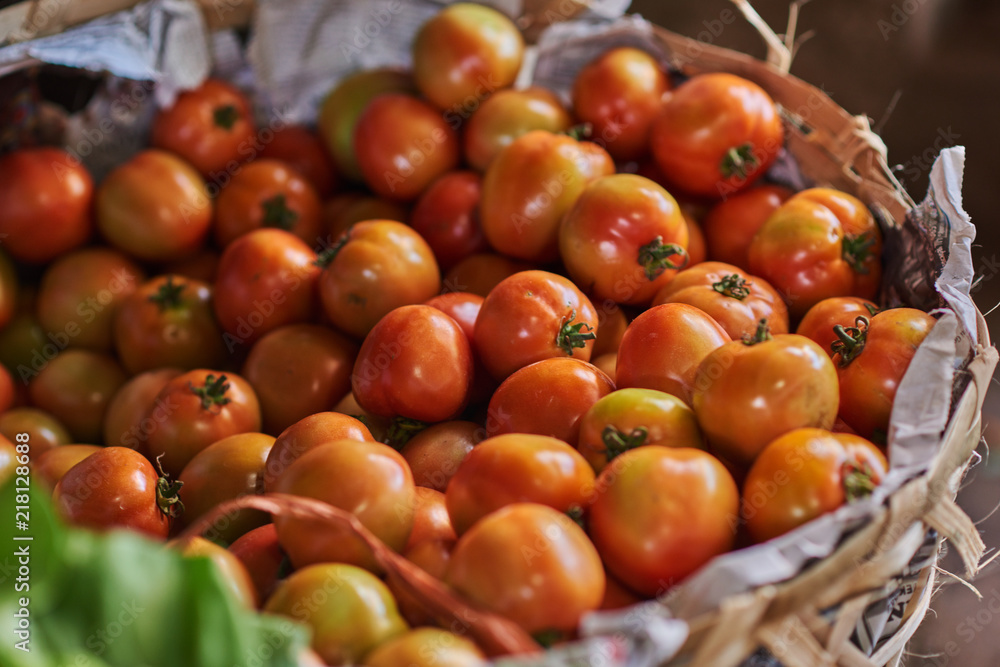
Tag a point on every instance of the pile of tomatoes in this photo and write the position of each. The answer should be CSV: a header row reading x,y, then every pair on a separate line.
x,y
545,353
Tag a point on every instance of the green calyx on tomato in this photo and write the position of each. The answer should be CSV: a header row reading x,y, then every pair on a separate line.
x,y
548,638
226,116
580,132
856,251
655,257
732,286
168,296
576,513
850,340
325,257
168,493
859,481
213,392
617,442
277,214
738,161
572,336
401,429
762,334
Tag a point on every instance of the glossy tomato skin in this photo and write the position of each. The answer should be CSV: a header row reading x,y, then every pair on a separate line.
x,y
262,556
368,479
662,347
377,266
818,322
307,433
126,421
732,223
267,193
528,188
113,488
747,395
821,243
464,53
266,279
447,216
402,145
211,127
430,518
44,431
869,381
651,542
44,184
463,307
621,93
506,115
427,647
159,224
231,570
480,273
531,564
717,134
168,322
435,453
530,316
513,468
304,151
76,388
734,298
49,467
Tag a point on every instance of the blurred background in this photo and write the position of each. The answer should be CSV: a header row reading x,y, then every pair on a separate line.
x,y
940,59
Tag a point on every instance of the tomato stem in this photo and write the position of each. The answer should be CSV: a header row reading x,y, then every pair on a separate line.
x,y
325,257
655,257
277,214
581,131
856,249
859,481
850,340
168,296
762,334
213,392
401,429
734,286
226,116
738,161
168,493
575,513
571,335
617,443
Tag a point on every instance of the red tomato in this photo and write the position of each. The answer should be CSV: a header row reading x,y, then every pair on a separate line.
x,y
447,216
7,392
506,115
430,518
610,330
304,151
697,249
307,433
435,453
818,322
127,421
463,307
76,388
44,431
44,184
732,223
49,467
262,556
480,273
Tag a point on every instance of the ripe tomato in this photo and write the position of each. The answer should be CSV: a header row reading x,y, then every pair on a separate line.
x,y
530,563
621,93
211,127
696,248
266,279
80,292
44,431
368,479
168,322
7,390
652,541
663,346
819,244
431,556
49,467
717,134
530,316
116,487
307,433
127,422
548,397
871,359
447,216
377,266
480,273
44,184
304,151
435,453
612,324
734,299
403,145
528,188
464,53
299,370
623,239
804,474
262,556
198,408
513,468
76,388
427,647
463,307
267,193
343,211
430,518
232,571
506,115
732,223
774,385
818,322
630,418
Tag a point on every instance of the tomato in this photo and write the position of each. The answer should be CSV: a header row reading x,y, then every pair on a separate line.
x,y
228,468
44,431
464,53
732,223
629,418
697,249
402,145
127,422
623,239
307,433
747,393
8,290
79,294
266,279
76,388
818,322
530,316
513,468
819,244
652,541
233,573
350,208
211,127
299,370
435,453
44,184
379,427
168,322
612,324
7,390
368,479
734,299
199,407
528,188
262,556
606,363
480,273
617,595
304,151
116,487
446,216
377,266
662,347
49,467
621,93
463,307
431,556
804,474
339,112
871,360
717,134
430,518
427,647
348,610
506,115
8,460
154,207
530,563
